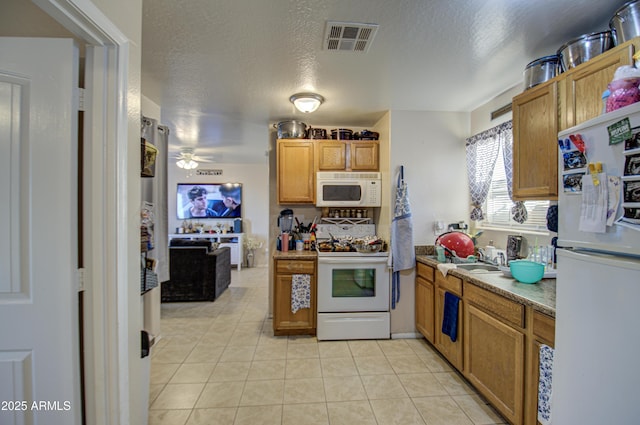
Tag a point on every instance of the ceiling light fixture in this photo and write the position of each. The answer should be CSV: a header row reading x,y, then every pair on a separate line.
x,y
187,165
306,102
186,159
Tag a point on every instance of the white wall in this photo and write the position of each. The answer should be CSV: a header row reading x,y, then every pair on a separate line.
x,y
255,198
430,145
126,15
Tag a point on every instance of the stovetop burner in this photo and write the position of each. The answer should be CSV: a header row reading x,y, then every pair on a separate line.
x,y
325,232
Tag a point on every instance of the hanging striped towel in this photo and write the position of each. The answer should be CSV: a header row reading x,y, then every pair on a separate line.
x,y
544,385
300,292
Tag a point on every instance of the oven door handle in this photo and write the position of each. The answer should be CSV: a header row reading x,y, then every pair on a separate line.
x,y
353,260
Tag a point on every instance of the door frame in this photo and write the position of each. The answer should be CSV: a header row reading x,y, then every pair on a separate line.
x,y
107,237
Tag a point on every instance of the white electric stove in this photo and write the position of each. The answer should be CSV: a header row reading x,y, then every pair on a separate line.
x,y
353,288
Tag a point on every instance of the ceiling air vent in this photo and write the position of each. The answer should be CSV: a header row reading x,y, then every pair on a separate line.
x,y
349,36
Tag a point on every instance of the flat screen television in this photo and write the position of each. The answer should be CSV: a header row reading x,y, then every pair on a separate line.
x,y
208,200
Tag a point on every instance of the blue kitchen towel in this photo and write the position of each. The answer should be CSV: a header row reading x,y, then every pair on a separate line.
x,y
450,316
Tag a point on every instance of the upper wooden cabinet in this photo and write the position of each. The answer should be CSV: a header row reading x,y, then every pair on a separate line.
x,y
347,155
299,159
535,143
581,88
364,156
296,177
332,155
542,111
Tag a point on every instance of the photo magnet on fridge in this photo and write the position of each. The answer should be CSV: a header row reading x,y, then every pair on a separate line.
x,y
619,131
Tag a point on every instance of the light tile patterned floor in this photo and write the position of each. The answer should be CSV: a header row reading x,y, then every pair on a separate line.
x,y
218,363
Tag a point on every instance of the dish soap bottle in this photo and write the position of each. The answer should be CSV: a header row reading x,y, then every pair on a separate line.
x,y
490,251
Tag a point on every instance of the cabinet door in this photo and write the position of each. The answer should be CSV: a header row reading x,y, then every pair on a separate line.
x,y
494,361
332,156
451,350
285,322
364,156
296,172
425,314
543,330
582,87
535,143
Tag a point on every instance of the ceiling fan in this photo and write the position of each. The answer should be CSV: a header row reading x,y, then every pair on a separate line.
x,y
188,160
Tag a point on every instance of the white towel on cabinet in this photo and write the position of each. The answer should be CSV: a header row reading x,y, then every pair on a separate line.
x,y
300,292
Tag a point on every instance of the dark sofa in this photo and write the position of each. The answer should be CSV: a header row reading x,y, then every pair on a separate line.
x,y
195,272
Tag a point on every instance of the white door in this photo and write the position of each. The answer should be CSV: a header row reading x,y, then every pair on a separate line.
x,y
39,342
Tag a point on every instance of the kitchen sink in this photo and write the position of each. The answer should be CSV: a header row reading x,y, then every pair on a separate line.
x,y
478,267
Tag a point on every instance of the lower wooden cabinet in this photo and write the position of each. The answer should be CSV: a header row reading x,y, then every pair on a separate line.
x,y
452,350
425,298
498,343
285,322
494,361
542,332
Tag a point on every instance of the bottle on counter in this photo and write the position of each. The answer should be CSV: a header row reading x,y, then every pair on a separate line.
x,y
490,251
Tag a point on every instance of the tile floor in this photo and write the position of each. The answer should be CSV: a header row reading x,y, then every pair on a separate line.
x,y
219,363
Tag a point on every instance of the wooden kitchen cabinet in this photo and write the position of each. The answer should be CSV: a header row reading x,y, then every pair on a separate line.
x,y
364,156
494,350
535,143
303,322
348,155
296,177
450,349
332,155
541,112
425,301
542,332
581,87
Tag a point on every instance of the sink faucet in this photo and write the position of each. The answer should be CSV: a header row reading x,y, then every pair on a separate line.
x,y
500,260
481,255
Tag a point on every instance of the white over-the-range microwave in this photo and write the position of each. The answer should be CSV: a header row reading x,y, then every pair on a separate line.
x,y
348,189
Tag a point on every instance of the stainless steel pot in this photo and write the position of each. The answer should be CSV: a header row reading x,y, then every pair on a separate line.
x,y
541,70
317,133
625,23
583,48
342,134
291,129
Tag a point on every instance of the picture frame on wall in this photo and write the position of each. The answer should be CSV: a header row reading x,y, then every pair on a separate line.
x,y
148,157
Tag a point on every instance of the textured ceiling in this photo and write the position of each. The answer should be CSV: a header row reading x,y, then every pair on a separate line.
x,y
224,69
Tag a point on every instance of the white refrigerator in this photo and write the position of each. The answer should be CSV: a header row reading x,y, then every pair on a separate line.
x,y
596,378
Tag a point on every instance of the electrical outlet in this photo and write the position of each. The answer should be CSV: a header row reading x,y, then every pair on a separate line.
x,y
438,227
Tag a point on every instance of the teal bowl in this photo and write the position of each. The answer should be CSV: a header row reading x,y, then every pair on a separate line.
x,y
526,271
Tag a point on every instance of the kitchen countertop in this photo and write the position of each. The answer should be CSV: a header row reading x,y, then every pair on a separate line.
x,y
295,255
541,296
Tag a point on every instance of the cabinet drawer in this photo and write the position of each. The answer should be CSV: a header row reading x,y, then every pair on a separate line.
x,y
450,283
425,272
290,266
495,304
544,327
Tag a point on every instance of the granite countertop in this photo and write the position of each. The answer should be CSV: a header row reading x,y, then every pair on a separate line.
x,y
541,296
295,255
